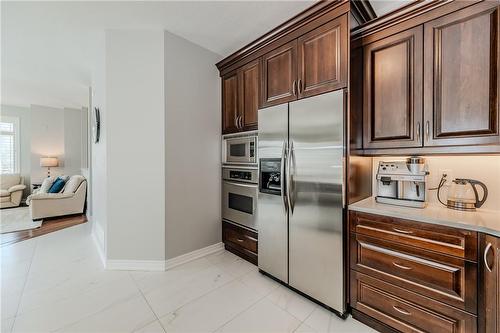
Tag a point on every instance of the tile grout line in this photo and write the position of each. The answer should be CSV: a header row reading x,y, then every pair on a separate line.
x,y
149,305
197,298
307,317
208,292
94,313
24,286
101,310
212,264
65,299
247,308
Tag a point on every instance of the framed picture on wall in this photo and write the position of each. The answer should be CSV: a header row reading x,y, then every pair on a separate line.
x,y
96,124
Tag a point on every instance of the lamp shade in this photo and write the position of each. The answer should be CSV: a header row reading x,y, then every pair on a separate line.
x,y
48,161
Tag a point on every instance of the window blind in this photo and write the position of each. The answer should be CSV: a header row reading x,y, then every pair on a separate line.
x,y
9,145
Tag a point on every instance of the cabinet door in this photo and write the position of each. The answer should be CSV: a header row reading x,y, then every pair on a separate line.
x,y
279,75
490,296
462,77
322,58
392,95
249,79
230,104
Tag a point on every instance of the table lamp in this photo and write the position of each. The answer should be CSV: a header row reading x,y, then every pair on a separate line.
x,y
48,162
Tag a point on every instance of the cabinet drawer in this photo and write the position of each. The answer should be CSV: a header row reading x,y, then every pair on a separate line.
x,y
240,240
450,241
404,310
447,279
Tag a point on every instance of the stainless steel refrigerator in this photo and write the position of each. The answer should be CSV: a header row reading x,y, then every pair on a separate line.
x,y
300,204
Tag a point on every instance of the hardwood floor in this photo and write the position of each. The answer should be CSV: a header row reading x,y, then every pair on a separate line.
x,y
48,225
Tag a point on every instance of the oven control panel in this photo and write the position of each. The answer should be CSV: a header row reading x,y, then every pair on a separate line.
x,y
240,175
246,175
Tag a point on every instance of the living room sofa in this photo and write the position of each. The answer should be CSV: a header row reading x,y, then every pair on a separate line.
x,y
11,190
68,202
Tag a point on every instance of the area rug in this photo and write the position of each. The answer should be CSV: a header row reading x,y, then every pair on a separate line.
x,y
15,219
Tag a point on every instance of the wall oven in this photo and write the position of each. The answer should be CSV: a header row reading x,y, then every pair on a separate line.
x,y
239,195
240,149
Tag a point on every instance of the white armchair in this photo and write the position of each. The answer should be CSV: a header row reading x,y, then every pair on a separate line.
x,y
11,190
70,201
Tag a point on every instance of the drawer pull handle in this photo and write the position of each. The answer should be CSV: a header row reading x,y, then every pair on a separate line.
x,y
486,250
398,309
401,266
239,240
402,231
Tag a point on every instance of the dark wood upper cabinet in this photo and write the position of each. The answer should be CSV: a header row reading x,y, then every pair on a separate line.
x,y
489,295
249,80
310,59
392,108
312,64
240,99
279,75
230,111
461,70
322,57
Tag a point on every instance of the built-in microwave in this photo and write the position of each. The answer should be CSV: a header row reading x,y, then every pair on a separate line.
x,y
240,149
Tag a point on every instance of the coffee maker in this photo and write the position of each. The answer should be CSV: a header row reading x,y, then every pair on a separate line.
x,y
402,183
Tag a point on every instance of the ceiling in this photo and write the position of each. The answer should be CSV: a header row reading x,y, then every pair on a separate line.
x,y
382,7
49,48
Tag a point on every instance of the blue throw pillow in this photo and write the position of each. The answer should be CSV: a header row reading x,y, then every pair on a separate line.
x,y
57,186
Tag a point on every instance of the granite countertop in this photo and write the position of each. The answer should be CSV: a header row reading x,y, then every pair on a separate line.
x,y
487,221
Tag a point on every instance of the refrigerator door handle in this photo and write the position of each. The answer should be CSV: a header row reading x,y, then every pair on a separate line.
x,y
284,157
289,174
344,181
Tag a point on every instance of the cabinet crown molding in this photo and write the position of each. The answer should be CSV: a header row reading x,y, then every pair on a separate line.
x,y
413,14
310,14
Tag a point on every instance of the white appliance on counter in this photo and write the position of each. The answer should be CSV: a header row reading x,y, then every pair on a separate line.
x,y
402,183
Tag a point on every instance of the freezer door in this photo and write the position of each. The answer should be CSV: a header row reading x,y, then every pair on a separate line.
x,y
316,177
272,221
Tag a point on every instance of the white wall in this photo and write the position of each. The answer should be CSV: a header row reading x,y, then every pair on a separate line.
x,y
24,115
47,139
73,141
483,168
135,126
57,133
192,147
98,185
160,144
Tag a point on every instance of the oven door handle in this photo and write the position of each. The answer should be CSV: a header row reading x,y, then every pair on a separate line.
x,y
284,157
241,184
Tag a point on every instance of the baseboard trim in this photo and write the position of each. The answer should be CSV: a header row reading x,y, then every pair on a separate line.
x,y
160,265
135,265
98,237
196,254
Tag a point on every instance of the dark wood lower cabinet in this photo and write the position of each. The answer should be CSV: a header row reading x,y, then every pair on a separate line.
x,y
489,293
240,241
440,239
405,310
445,279
408,276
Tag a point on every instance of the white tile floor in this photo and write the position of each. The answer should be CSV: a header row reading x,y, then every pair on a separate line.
x,y
55,283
